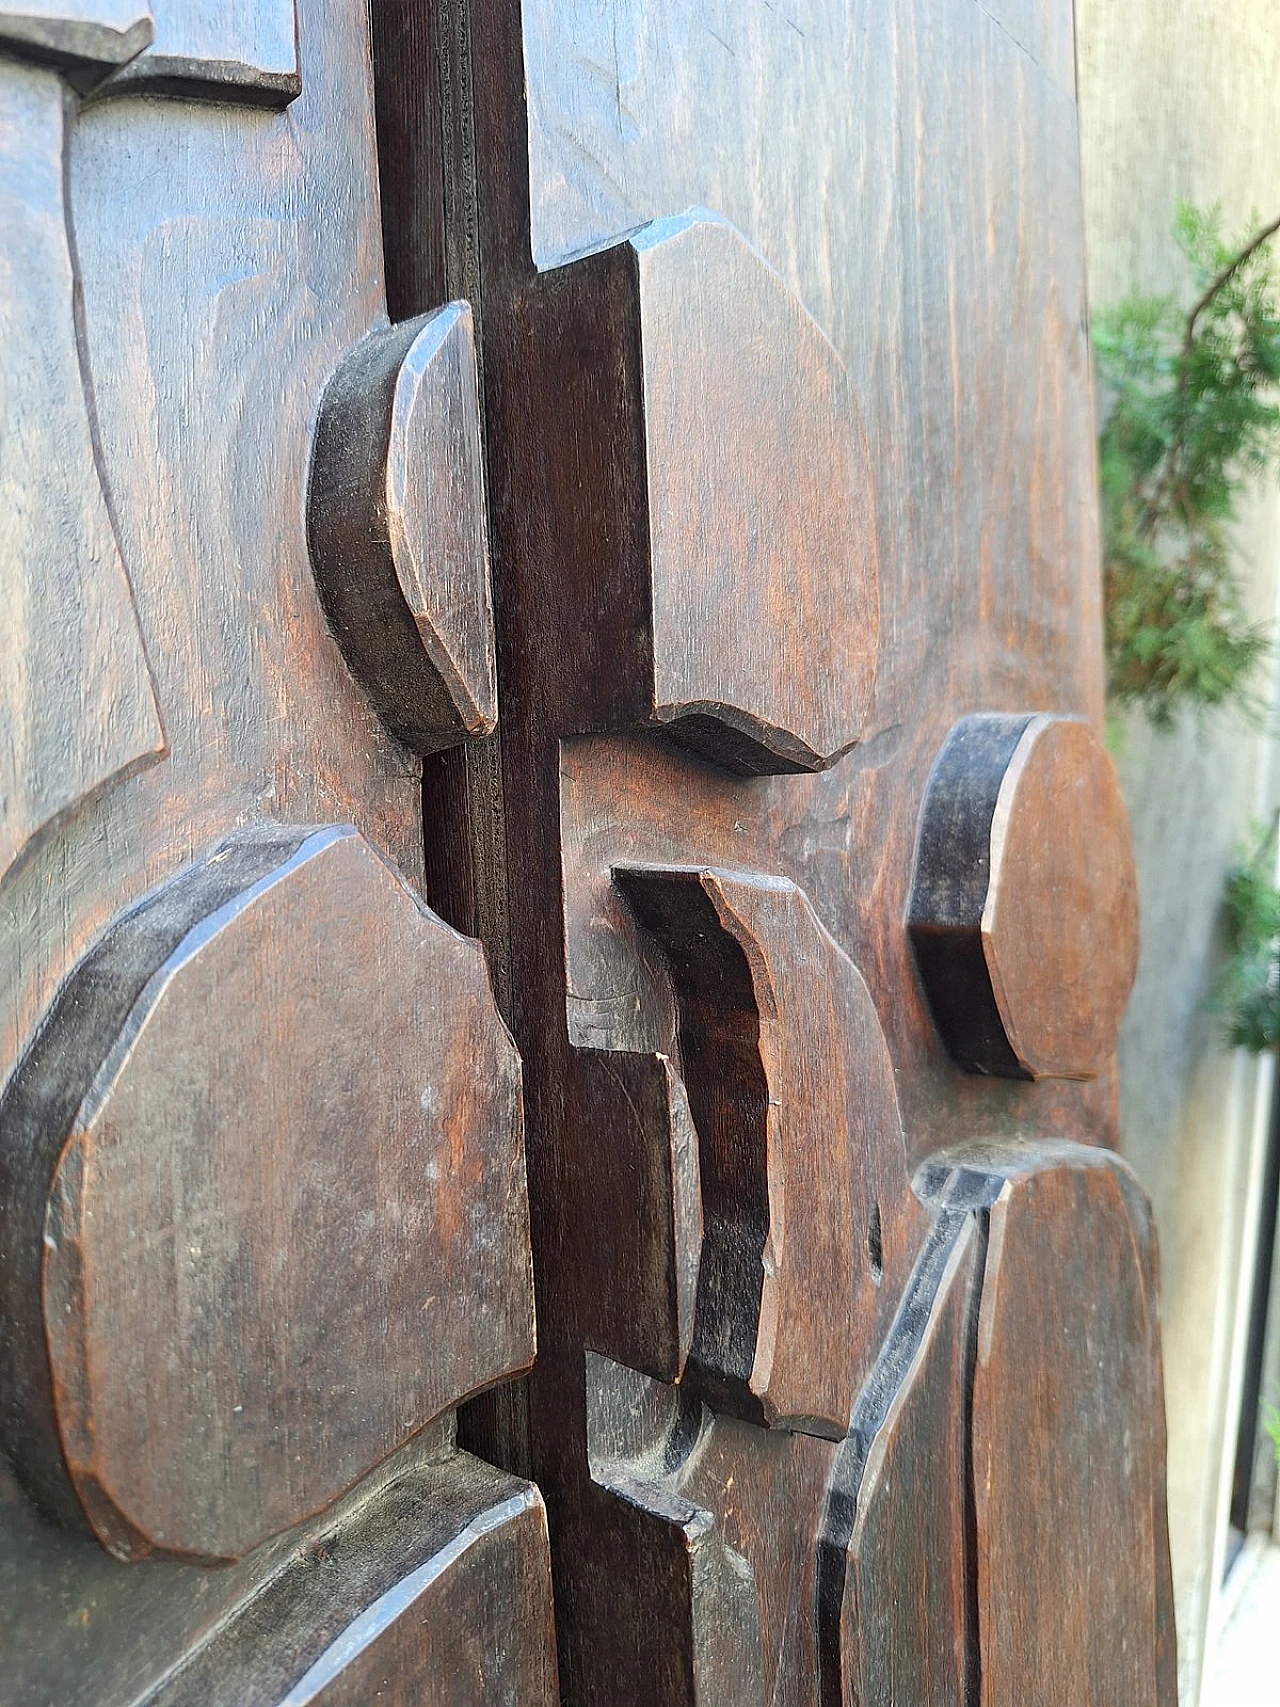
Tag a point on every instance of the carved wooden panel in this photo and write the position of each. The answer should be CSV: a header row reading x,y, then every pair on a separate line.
x,y
789,455
76,694
717,442
617,482
167,1179
263,1213
397,529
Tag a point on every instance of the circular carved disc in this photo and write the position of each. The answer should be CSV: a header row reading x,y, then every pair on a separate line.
x,y
1060,923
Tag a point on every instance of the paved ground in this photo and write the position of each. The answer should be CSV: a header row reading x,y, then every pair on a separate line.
x,y
1244,1669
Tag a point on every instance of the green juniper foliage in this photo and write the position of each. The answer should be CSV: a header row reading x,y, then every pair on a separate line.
x,y
1192,401
1248,989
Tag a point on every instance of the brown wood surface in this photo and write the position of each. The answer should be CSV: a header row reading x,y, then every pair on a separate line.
x,y
397,529
929,223
212,1376
712,440
894,1562
811,467
1071,1573
1023,912
433,1592
808,1230
282,1261
1064,894
77,709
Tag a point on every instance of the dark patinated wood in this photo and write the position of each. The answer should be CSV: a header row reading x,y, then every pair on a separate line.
x,y
268,1261
894,1566
1023,912
397,529
432,1592
784,430
166,1183
710,435
644,1247
946,271
1072,1575
807,1228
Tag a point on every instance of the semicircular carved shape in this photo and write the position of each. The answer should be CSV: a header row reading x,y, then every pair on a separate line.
x,y
396,524
736,493
1068,1448
970,1547
261,1199
808,1225
1023,913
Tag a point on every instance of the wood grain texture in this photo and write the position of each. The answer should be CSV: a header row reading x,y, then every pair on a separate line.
x,y
1071,1559
718,1520
260,230
321,1113
431,1591
1023,910
734,455
223,256
893,1562
808,1229
77,707
643,1252
86,40
397,529
911,172
220,50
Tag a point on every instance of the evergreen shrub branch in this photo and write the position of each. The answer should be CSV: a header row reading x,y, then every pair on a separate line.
x,y
1247,991
1191,397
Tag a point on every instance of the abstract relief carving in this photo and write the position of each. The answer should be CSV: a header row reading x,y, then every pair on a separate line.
x,y
173,1336
77,707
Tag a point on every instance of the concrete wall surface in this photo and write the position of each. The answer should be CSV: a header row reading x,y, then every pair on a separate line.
x,y
1181,98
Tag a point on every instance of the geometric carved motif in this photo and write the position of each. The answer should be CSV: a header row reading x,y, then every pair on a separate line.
x,y
76,702
261,1254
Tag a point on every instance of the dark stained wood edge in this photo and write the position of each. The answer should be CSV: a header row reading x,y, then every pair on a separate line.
x,y
643,1245
942,1248
741,745
728,1092
951,875
38,1107
83,51
345,1582
352,556
698,1622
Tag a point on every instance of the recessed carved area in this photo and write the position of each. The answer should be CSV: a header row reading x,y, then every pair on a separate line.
x,y
800,1172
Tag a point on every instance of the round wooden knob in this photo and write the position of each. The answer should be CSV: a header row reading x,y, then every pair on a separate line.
x,y
1023,911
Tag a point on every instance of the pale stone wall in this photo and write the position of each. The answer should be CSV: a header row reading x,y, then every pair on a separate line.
x,y
1182,98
